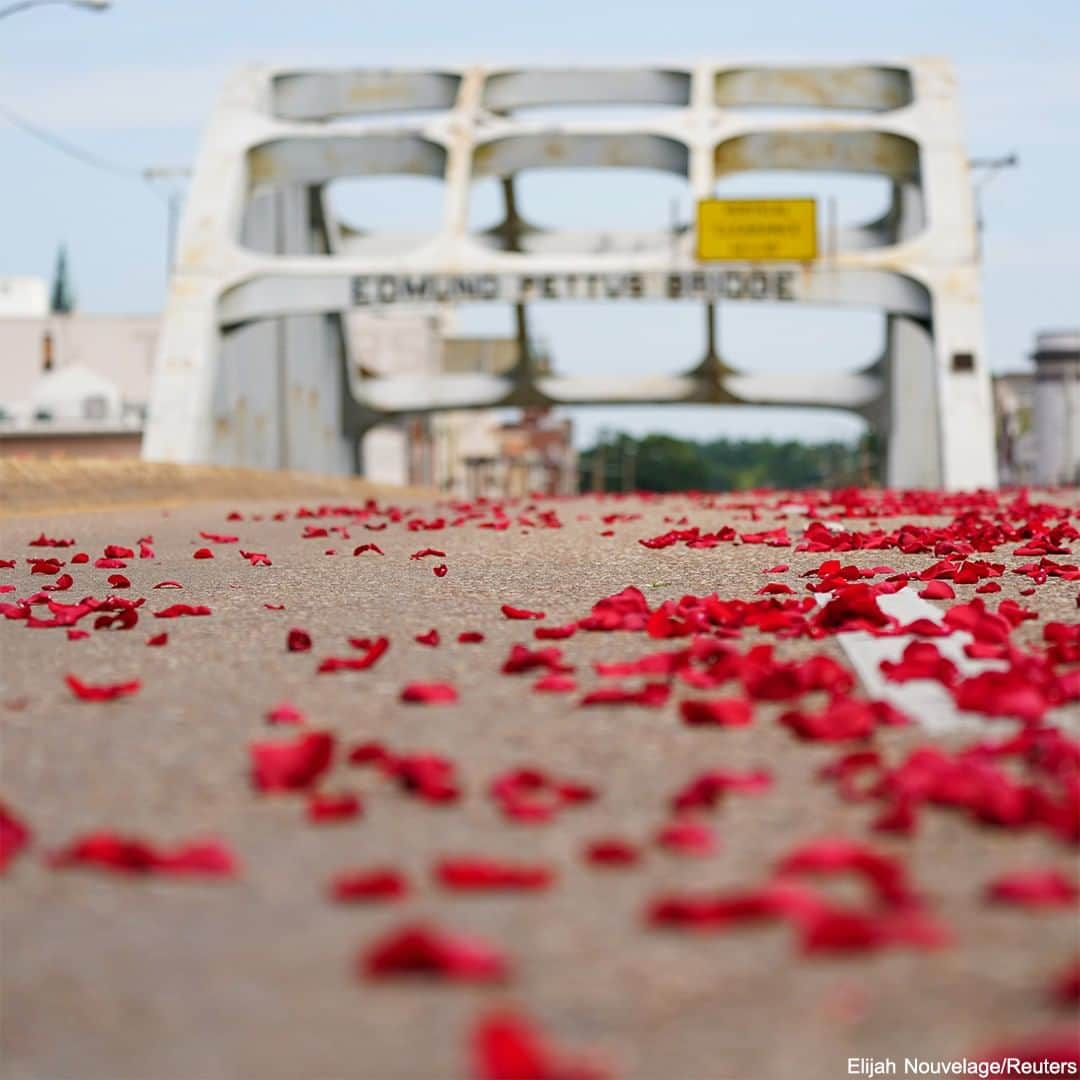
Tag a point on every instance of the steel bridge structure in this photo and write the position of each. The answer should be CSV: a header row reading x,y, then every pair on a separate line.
x,y
255,367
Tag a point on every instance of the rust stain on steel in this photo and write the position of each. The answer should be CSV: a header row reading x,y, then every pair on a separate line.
x,y
846,151
873,89
387,88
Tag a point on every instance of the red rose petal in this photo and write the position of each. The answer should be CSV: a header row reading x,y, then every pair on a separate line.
x,y
368,885
14,837
1034,888
468,873
128,855
285,713
418,949
426,552
440,570
1065,989
707,789
177,611
324,807
291,766
419,693
612,851
298,640
373,650
102,691
470,637
937,590
652,695
430,638
505,1046
553,683
427,776
157,640
521,613
361,549
688,838
884,873
722,712
202,553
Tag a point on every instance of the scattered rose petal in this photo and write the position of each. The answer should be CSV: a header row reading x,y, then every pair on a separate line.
x,y
291,766
324,807
368,885
129,855
1034,888
475,873
418,949
612,851
721,712
688,837
14,837
101,691
435,693
521,613
285,713
506,1046
177,611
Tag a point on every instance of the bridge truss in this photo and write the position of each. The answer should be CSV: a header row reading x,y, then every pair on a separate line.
x,y
255,367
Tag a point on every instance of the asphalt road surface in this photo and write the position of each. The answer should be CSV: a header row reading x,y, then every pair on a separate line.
x,y
260,974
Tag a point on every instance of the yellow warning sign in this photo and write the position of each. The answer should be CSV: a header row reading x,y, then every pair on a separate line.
x,y
757,230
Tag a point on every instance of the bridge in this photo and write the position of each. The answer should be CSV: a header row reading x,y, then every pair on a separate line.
x,y
266,274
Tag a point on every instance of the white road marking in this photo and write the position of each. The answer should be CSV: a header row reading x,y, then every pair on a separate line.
x,y
926,701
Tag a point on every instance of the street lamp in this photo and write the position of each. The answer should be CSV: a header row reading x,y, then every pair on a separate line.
x,y
25,5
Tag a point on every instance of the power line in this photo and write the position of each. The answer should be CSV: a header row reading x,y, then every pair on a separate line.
x,y
87,157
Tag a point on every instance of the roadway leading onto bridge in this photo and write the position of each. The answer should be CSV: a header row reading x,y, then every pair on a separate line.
x,y
162,977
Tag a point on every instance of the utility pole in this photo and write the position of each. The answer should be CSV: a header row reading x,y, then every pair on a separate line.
x,y
172,178
988,169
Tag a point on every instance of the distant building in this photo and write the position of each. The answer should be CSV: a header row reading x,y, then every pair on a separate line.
x,y
1038,414
76,384
1056,407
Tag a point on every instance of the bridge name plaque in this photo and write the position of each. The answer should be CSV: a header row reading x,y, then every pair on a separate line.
x,y
378,290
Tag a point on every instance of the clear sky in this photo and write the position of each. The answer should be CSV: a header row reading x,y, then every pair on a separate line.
x,y
135,85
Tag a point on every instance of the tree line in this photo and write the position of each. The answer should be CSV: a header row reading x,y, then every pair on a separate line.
x,y
620,462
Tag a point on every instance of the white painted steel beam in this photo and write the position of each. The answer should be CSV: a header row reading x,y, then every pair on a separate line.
x,y
253,366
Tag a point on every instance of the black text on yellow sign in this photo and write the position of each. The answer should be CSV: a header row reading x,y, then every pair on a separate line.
x,y
757,230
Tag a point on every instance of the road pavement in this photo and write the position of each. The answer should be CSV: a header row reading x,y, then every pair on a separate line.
x,y
158,976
